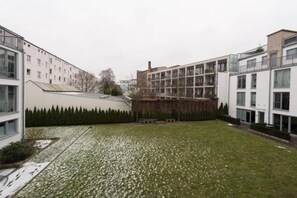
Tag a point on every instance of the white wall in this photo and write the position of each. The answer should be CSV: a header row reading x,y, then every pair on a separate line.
x,y
262,94
37,97
223,84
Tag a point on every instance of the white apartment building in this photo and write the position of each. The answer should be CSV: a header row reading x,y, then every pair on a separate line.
x,y
195,80
128,86
264,90
11,87
43,66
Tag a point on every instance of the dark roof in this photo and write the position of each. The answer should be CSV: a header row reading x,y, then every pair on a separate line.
x,y
285,30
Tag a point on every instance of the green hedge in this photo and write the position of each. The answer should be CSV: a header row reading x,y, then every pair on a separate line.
x,y
75,116
228,119
270,131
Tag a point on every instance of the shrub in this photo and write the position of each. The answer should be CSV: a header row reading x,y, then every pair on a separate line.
x,y
220,110
225,109
229,119
270,131
34,134
16,151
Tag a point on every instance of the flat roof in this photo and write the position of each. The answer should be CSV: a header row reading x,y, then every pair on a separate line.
x,y
285,30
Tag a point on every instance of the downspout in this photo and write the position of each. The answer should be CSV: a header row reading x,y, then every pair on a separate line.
x,y
229,76
269,96
23,95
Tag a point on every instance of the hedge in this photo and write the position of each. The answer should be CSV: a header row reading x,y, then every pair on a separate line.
x,y
228,119
270,131
75,116
78,116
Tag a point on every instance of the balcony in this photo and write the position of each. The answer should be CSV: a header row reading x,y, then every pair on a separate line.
x,y
285,61
11,39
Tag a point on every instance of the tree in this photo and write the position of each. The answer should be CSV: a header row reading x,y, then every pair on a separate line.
x,y
107,79
85,82
107,83
225,109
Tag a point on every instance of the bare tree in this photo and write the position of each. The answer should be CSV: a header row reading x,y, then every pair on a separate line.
x,y
107,78
85,82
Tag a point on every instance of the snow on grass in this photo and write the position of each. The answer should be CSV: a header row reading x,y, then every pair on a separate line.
x,y
114,163
41,144
19,178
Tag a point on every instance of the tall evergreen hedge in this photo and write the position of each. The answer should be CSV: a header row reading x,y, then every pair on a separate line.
x,y
69,116
56,116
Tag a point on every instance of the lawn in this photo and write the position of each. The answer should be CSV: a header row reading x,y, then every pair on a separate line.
x,y
188,159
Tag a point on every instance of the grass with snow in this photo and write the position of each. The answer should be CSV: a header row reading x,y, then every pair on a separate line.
x,y
190,159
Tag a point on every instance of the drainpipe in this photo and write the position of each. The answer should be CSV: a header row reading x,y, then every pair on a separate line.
x,y
23,90
269,96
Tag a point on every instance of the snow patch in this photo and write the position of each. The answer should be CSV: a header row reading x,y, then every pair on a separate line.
x,y
41,144
10,184
284,148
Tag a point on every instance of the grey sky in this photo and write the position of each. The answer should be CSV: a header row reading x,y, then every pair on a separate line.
x,y
125,34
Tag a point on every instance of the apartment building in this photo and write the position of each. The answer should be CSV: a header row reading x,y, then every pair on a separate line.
x,y
11,87
196,80
43,66
264,88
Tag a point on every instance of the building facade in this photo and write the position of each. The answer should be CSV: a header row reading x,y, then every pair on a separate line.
x,y
197,80
11,87
263,90
43,66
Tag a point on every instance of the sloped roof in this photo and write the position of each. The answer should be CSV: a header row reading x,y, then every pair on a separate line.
x,y
55,87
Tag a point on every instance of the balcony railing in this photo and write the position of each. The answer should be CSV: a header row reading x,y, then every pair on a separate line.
x,y
11,39
290,60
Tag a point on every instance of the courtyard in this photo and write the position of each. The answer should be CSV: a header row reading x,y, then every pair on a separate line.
x,y
186,159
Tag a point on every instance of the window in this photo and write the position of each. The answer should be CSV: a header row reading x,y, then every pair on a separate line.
x,y
46,75
273,60
28,58
51,60
50,81
290,40
59,69
241,98
264,60
251,63
8,127
64,79
59,78
281,100
28,72
38,62
38,74
50,71
11,64
241,80
292,54
253,99
7,64
282,78
254,81
45,64
7,98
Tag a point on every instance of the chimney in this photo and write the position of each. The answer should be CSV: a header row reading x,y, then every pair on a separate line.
x,y
149,66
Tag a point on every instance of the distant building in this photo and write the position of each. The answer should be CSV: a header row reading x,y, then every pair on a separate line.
x,y
43,66
11,87
128,86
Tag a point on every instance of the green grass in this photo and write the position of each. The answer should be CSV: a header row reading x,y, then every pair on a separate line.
x,y
189,159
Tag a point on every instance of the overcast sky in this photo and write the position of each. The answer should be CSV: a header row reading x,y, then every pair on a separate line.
x,y
125,34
